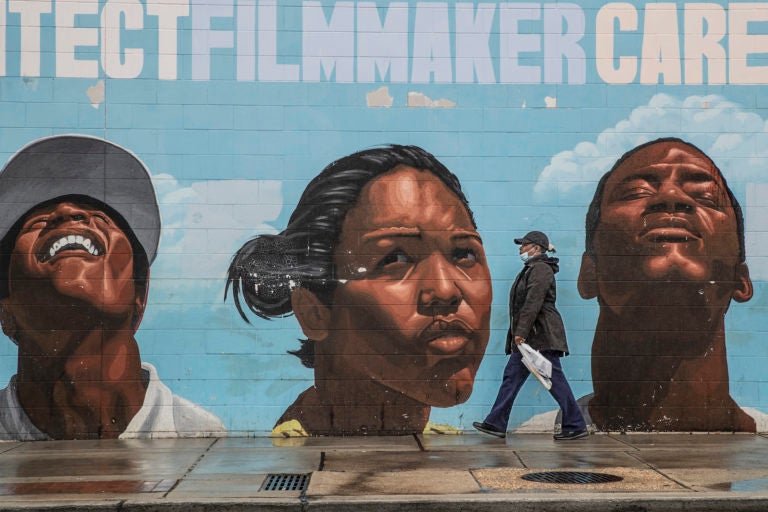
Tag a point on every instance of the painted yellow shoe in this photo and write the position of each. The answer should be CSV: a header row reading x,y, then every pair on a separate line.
x,y
436,428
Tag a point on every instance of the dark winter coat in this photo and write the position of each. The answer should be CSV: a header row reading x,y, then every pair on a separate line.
x,y
532,310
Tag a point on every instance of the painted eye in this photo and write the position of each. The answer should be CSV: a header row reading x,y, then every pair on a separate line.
x,y
393,258
464,256
35,223
636,193
708,195
101,217
708,201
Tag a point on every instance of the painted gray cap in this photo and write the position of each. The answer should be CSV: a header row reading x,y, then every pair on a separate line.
x,y
64,165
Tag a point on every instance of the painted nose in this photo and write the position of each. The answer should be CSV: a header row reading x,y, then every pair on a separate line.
x,y
440,294
68,212
672,199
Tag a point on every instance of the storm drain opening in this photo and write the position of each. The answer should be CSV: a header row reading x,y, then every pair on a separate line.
x,y
571,477
285,482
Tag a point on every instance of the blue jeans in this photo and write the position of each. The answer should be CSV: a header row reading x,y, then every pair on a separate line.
x,y
515,375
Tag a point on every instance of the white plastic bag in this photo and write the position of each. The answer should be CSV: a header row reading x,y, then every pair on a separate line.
x,y
537,364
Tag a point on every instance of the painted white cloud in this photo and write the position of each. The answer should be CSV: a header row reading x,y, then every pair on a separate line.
x,y
205,222
734,137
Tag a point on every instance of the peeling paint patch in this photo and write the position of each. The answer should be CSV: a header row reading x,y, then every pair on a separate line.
x,y
550,102
379,98
30,82
96,94
523,105
417,100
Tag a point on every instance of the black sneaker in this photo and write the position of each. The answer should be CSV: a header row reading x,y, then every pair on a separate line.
x,y
571,435
488,429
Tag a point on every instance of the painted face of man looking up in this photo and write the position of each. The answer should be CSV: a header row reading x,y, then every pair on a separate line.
x,y
71,253
666,218
664,257
79,227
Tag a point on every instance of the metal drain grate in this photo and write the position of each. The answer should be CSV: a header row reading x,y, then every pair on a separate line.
x,y
285,482
571,477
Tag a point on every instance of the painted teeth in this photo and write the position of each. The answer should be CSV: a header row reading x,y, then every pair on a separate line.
x,y
70,240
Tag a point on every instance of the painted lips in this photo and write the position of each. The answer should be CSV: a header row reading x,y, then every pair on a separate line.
x,y
447,337
670,235
669,229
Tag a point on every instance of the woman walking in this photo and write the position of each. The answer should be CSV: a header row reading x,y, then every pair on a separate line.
x,y
534,320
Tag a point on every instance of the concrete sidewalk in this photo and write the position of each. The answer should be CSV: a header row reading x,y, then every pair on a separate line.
x,y
470,472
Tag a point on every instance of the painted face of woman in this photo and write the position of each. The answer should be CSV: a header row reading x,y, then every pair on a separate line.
x,y
413,308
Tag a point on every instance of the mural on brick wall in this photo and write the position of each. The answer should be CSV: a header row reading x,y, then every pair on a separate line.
x,y
665,256
382,264
80,231
293,297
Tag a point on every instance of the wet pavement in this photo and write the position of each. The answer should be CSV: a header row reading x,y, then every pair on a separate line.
x,y
654,472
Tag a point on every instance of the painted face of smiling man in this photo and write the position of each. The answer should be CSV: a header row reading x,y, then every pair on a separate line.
x,y
413,307
666,227
71,253
79,225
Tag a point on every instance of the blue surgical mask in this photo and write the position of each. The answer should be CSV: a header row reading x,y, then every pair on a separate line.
x,y
524,256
